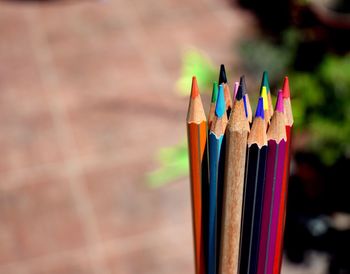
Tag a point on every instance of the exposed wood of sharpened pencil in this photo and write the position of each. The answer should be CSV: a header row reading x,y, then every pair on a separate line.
x,y
283,203
273,188
197,138
236,146
269,103
216,158
253,191
248,108
228,100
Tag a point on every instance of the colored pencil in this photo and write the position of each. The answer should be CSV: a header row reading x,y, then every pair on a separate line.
x,y
253,192
239,177
276,136
216,158
214,97
223,81
283,203
247,106
197,141
236,146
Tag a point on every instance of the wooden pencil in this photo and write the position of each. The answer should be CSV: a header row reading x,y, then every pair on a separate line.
x,y
236,146
253,192
283,202
216,158
276,136
227,93
197,139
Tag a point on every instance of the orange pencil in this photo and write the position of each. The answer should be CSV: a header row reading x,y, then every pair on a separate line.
x,y
197,139
283,203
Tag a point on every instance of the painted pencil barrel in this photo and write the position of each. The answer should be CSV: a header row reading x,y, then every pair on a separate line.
x,y
214,162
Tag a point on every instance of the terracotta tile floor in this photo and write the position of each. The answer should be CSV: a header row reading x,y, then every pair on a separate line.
x,y
87,97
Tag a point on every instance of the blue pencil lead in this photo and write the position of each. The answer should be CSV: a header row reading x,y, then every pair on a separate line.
x,y
260,108
220,103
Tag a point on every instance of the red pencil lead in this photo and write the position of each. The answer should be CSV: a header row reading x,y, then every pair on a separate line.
x,y
286,91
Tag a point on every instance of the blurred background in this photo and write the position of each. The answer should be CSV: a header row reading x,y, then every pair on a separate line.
x,y
94,94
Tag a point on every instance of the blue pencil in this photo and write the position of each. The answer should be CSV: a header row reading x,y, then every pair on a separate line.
x,y
216,157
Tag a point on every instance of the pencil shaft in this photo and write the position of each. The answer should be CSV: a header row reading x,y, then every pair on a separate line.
x,y
283,205
258,212
277,167
219,203
236,145
197,136
267,207
252,203
215,179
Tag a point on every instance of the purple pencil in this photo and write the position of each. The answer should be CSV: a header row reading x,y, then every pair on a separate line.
x,y
273,186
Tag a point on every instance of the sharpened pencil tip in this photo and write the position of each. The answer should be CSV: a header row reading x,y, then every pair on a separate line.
x,y
243,84
214,95
279,103
194,89
222,75
286,90
220,108
260,108
265,82
242,89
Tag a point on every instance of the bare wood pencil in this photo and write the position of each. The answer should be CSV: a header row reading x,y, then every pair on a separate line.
x,y
236,146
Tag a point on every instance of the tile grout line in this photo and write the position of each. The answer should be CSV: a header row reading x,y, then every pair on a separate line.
x,y
51,84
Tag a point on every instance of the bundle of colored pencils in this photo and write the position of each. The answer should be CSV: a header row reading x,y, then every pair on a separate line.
x,y
239,169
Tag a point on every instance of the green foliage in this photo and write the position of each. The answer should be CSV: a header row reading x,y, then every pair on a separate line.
x,y
330,121
173,164
307,93
195,63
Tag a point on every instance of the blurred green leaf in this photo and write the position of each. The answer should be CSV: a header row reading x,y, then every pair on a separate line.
x,y
308,88
195,63
334,71
173,165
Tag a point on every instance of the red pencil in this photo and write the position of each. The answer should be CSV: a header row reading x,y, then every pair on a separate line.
x,y
283,202
276,136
